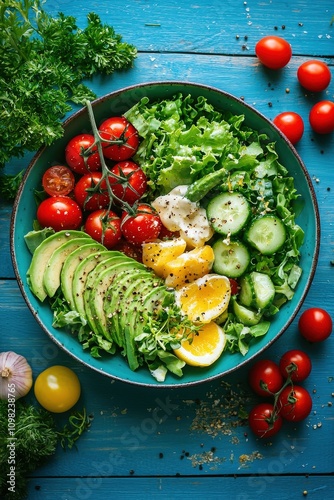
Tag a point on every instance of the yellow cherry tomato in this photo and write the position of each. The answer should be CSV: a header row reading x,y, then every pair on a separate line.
x,y
57,388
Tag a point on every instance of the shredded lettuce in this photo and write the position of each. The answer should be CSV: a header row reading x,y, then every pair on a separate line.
x,y
183,140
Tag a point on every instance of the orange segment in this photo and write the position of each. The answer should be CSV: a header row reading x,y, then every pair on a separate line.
x,y
189,266
157,253
205,348
204,299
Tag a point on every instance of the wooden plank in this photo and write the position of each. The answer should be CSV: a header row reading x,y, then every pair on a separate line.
x,y
212,27
264,90
238,488
187,431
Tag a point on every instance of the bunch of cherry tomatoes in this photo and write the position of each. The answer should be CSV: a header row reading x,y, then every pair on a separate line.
x,y
280,382
79,194
314,75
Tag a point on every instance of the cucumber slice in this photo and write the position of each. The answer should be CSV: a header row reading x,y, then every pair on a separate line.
x,y
231,259
266,234
228,212
247,316
246,294
263,288
256,290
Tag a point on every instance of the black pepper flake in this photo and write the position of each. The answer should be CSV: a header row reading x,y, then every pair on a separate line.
x,y
283,26
328,189
270,104
161,455
131,472
200,467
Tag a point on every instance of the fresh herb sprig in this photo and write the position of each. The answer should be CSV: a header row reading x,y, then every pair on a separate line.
x,y
34,440
44,61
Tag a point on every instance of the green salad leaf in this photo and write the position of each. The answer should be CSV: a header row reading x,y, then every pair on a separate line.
x,y
185,140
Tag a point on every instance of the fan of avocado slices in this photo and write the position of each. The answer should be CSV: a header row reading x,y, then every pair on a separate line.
x,y
109,300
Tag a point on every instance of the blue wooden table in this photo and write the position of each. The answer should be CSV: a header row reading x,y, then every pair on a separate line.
x,y
153,443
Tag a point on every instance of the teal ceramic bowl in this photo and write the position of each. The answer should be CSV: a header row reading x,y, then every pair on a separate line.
x,y
117,103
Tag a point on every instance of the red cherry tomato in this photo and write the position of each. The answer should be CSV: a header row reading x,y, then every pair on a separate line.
x,y
131,183
291,125
321,117
166,234
315,324
314,75
88,200
119,129
58,181
235,287
297,364
81,155
104,227
133,251
265,377
264,420
294,403
142,226
59,212
273,52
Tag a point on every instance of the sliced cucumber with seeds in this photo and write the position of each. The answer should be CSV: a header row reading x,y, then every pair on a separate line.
x,y
228,213
231,259
263,288
266,234
247,316
257,290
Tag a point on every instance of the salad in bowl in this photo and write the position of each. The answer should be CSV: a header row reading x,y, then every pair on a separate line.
x,y
168,245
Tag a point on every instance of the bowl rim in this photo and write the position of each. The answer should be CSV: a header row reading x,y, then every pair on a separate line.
x,y
311,272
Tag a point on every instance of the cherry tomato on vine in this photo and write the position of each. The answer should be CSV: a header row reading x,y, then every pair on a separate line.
x,y
294,403
264,420
315,324
143,225
265,377
131,183
314,75
104,226
59,212
87,199
297,364
58,180
273,51
291,125
57,389
321,117
118,128
81,155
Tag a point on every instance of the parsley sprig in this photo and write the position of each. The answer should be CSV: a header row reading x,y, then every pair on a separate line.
x,y
44,61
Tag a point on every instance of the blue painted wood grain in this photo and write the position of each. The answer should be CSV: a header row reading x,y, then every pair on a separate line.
x,y
141,440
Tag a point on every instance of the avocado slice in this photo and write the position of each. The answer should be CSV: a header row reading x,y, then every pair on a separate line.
x,y
80,277
115,258
71,263
51,278
97,284
123,279
136,321
117,295
41,257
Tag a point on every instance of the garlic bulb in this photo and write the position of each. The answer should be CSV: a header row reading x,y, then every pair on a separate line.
x,y
15,375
